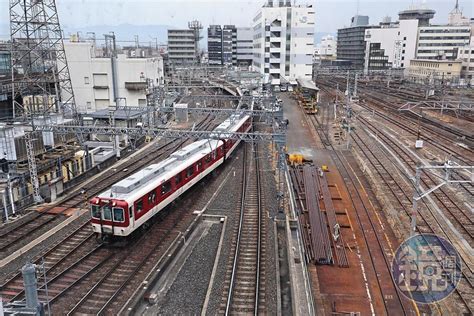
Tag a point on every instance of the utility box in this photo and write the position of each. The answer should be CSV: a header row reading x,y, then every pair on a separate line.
x,y
419,144
181,112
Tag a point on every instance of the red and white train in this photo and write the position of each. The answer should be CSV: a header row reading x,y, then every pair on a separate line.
x,y
133,201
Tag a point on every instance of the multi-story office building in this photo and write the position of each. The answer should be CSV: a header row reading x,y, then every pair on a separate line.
x,y
214,45
244,46
284,42
96,86
466,55
5,60
182,47
442,41
230,45
393,45
351,45
229,38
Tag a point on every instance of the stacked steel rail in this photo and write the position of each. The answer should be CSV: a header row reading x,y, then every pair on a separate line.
x,y
321,242
312,191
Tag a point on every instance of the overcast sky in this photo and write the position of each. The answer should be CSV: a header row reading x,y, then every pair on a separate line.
x,y
330,14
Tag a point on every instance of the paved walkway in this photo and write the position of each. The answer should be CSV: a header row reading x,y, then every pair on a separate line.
x,y
299,138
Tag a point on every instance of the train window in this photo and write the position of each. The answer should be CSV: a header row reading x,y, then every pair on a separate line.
x,y
107,213
152,197
177,179
95,211
208,158
165,187
118,215
199,165
130,212
139,206
189,171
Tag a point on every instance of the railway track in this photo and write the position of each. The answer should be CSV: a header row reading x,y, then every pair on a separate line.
x,y
458,215
373,234
426,224
71,248
106,291
385,103
37,221
244,290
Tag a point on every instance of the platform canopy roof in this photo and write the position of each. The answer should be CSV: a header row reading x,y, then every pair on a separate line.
x,y
307,84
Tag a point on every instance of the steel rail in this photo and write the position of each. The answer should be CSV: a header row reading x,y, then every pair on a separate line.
x,y
239,233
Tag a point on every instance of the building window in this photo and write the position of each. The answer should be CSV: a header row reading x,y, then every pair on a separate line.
x,y
405,38
86,80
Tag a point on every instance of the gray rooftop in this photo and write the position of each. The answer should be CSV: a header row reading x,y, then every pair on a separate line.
x,y
120,114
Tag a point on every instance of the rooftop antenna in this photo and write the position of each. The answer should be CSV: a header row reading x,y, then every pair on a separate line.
x,y
357,9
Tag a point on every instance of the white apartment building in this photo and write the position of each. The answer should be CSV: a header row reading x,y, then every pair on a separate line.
x,y
327,47
284,42
93,79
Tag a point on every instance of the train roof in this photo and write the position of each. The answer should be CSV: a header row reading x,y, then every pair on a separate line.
x,y
147,178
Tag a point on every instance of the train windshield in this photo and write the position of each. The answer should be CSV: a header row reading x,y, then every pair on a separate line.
x,y
118,214
95,210
107,213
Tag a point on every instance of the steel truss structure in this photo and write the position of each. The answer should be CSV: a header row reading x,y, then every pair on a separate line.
x,y
39,67
456,106
210,110
162,132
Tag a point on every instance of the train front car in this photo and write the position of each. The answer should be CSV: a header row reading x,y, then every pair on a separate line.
x,y
109,217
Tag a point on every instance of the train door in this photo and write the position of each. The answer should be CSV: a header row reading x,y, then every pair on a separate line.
x,y
131,218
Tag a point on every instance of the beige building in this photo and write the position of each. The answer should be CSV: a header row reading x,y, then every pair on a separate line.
x,y
423,70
